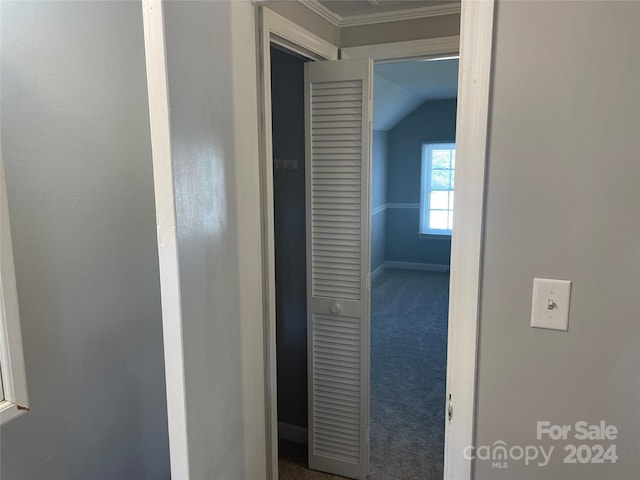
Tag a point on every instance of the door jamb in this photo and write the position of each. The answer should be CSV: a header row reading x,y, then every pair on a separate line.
x,y
402,51
275,29
475,47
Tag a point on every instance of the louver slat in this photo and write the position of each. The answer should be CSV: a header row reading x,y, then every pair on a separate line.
x,y
344,182
336,398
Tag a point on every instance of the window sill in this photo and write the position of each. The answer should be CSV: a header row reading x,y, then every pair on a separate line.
x,y
435,236
9,411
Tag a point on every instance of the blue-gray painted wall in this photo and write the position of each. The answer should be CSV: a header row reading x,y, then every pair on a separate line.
x,y
287,95
378,198
433,121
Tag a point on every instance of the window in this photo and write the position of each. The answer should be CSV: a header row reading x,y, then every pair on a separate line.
x,y
436,195
13,385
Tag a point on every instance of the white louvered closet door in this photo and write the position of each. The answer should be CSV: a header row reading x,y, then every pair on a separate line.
x,y
338,143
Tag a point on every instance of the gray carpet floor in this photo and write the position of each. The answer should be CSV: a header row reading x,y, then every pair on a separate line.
x,y
408,373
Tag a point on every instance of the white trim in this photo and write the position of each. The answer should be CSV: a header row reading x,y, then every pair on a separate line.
x,y
427,267
398,51
324,12
426,189
379,17
154,43
386,206
400,15
435,236
377,271
381,208
404,205
471,150
9,411
424,182
293,433
13,376
274,28
285,33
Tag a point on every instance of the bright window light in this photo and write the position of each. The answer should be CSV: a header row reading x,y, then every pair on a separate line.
x,y
437,188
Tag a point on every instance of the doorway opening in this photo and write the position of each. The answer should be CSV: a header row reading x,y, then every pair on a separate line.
x,y
413,139
288,140
413,179
346,79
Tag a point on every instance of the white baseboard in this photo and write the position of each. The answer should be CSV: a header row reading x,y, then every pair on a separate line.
x,y
429,267
292,433
377,271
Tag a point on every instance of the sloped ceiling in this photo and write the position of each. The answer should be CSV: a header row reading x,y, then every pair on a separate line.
x,y
399,88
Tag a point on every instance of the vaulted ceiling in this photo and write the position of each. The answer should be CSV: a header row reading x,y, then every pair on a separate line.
x,y
399,88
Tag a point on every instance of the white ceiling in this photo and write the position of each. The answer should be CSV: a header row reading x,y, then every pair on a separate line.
x,y
399,88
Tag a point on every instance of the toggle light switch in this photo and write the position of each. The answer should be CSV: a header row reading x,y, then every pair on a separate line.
x,y
550,304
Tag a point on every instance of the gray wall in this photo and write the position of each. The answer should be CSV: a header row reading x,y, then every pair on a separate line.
x,y
287,97
389,32
379,169
76,146
211,69
378,198
562,202
433,121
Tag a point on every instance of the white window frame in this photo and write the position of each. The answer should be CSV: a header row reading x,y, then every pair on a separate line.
x,y
14,400
425,188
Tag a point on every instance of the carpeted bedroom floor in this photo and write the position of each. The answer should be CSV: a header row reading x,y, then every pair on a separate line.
x,y
408,372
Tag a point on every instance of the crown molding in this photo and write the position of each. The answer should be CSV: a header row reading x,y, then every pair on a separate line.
x,y
323,11
407,14
379,17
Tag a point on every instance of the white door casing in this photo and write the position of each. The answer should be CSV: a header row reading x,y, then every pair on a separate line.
x,y
338,156
275,30
14,400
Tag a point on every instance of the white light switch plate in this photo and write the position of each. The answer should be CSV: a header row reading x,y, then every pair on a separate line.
x,y
554,293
